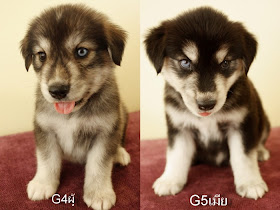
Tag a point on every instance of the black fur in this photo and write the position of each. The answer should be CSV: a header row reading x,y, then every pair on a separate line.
x,y
209,30
206,27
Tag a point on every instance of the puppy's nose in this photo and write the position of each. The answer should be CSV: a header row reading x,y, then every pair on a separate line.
x,y
59,91
206,105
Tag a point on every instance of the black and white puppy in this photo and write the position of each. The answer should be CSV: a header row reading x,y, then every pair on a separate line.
x,y
213,111
79,115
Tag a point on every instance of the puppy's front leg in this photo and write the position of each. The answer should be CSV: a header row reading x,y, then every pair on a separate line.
x,y
45,182
178,161
98,189
247,177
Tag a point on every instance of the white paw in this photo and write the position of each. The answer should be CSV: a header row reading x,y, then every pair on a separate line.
x,y
254,190
38,190
122,157
263,154
167,186
102,200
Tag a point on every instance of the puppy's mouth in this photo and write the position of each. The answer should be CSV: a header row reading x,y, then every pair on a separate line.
x,y
204,114
66,107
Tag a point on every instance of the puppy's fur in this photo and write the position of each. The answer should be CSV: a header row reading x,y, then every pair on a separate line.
x,y
213,112
73,50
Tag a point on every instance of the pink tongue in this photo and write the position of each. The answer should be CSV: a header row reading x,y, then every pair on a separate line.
x,y
64,107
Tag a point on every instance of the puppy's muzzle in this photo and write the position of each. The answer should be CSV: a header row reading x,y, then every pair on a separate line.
x,y
206,105
59,91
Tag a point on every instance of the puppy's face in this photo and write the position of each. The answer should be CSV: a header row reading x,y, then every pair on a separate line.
x,y
201,55
73,50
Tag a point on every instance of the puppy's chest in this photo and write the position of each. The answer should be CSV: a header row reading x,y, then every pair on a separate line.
x,y
210,137
211,142
207,131
75,136
67,137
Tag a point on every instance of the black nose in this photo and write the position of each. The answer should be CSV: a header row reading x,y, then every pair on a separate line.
x,y
206,105
59,91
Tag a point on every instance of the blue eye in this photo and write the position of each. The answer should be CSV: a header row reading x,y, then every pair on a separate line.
x,y
185,64
82,52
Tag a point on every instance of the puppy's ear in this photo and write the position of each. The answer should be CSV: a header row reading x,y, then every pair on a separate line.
x,y
155,44
26,52
116,38
250,49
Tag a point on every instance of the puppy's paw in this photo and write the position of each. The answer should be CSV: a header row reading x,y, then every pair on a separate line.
x,y
102,199
165,185
263,154
122,157
253,190
38,190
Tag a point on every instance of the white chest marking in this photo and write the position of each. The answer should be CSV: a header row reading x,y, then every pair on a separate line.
x,y
63,127
207,126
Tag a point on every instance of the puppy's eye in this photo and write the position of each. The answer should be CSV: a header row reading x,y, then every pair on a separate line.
x,y
225,64
185,64
42,56
82,52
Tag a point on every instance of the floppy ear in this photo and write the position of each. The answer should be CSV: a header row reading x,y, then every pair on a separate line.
x,y
26,52
250,49
155,46
116,38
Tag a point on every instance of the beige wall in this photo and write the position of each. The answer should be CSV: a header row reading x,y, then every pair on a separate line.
x,y
260,17
17,87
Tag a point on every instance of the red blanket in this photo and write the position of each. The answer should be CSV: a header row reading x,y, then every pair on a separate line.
x,y
18,166
207,180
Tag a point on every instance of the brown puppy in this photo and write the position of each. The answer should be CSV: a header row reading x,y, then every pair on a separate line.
x,y
79,115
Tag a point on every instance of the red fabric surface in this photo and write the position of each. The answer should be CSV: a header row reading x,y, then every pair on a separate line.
x,y
18,166
207,180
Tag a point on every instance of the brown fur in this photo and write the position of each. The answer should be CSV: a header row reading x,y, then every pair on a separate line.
x,y
99,118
